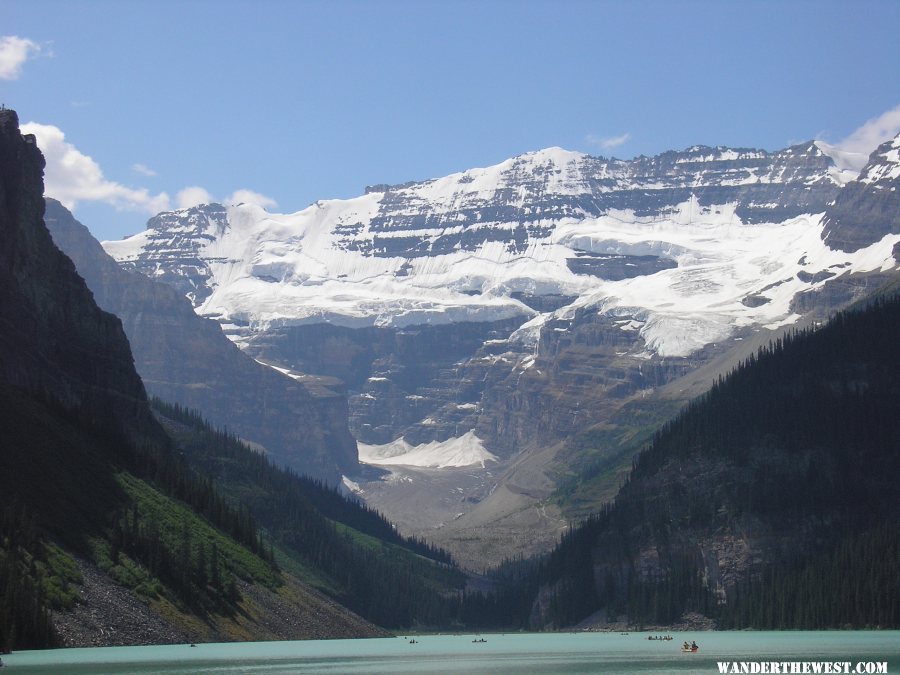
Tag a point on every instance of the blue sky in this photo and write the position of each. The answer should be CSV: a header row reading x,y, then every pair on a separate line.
x,y
161,103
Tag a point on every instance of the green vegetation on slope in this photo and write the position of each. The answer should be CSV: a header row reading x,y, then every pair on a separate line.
x,y
33,579
181,549
598,460
134,508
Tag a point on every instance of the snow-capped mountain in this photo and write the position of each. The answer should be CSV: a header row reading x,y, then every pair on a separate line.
x,y
483,321
701,241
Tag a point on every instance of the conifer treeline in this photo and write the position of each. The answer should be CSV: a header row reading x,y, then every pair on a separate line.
x,y
174,476
194,571
219,455
854,584
24,608
803,437
60,466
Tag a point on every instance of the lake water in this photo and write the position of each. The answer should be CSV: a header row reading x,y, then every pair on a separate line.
x,y
508,653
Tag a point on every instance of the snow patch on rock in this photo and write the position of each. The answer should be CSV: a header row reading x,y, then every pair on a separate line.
x,y
465,450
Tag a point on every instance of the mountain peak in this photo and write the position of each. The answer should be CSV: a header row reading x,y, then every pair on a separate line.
x,y
868,208
884,164
553,155
58,344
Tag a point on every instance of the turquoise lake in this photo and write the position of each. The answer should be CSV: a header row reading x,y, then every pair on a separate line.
x,y
506,653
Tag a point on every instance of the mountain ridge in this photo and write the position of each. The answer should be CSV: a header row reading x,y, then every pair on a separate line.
x,y
870,208
457,248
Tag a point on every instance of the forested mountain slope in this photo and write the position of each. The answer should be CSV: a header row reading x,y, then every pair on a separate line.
x,y
771,501
346,549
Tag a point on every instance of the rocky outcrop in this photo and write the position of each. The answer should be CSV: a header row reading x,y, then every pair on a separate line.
x,y
183,358
868,208
175,242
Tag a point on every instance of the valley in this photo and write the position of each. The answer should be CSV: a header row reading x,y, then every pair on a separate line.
x,y
446,403
546,313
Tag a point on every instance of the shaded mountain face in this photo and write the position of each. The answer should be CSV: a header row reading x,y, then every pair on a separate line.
x,y
55,343
112,523
72,406
67,380
101,520
183,358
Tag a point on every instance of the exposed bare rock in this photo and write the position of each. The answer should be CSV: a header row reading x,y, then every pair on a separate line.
x,y
109,615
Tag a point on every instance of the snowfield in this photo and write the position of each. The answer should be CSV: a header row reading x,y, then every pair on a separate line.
x,y
465,450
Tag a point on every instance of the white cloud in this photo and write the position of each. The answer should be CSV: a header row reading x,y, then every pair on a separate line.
x,y
873,133
143,169
193,196
608,142
14,51
250,197
853,152
72,177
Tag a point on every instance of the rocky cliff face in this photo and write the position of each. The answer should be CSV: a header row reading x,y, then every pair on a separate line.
x,y
176,249
55,343
397,377
516,204
554,184
183,358
582,370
